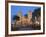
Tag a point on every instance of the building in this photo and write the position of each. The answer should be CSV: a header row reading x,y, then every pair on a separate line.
x,y
30,17
25,20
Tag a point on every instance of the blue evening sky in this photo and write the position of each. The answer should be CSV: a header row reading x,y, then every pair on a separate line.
x,y
24,9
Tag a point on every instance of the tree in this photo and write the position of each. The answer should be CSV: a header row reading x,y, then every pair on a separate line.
x,y
19,13
16,18
26,15
37,13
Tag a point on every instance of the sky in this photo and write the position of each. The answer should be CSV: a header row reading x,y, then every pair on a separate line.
x,y
23,9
